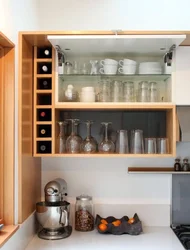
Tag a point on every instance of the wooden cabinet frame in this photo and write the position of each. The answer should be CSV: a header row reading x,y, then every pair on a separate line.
x,y
7,142
7,55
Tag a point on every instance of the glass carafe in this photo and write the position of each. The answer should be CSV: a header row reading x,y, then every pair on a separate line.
x,y
89,145
73,141
62,137
107,145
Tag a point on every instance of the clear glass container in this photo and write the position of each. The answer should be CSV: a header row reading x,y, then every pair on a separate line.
x,y
84,213
73,142
143,92
106,146
117,91
62,137
89,145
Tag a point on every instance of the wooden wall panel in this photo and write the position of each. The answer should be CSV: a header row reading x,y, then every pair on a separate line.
x,y
1,133
29,167
9,127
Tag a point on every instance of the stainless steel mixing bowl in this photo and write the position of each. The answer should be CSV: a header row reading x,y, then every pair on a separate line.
x,y
53,216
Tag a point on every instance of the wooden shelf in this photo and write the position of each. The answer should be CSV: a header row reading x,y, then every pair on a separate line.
x,y
43,91
43,123
6,233
156,170
43,139
43,75
43,106
99,155
43,60
114,105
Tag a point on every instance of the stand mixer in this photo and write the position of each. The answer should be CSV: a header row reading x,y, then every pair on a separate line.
x,y
53,213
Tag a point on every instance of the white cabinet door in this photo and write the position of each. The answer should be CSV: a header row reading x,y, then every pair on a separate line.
x,y
182,76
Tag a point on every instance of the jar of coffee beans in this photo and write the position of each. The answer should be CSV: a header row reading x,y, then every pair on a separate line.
x,y
84,219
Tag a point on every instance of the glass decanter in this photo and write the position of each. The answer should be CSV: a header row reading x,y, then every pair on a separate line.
x,y
77,122
107,145
73,142
89,145
62,137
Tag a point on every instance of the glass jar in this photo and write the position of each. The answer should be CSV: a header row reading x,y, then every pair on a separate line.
x,y
84,219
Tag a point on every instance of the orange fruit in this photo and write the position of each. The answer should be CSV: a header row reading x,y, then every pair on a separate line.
x,y
104,222
131,220
102,227
116,223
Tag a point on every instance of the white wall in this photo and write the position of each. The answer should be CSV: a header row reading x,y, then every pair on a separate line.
x,y
107,180
114,14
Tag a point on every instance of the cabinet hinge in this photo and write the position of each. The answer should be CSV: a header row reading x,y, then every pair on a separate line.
x,y
169,55
61,54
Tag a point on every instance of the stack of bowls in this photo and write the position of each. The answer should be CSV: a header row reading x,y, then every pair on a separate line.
x,y
87,94
150,68
128,67
109,66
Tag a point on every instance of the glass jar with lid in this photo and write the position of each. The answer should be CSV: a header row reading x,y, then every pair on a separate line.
x,y
84,213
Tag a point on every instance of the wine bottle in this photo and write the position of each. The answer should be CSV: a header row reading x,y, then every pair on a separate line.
x,y
44,52
44,83
44,68
43,130
44,147
44,114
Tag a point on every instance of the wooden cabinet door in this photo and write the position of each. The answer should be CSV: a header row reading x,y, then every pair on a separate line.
x,y
182,76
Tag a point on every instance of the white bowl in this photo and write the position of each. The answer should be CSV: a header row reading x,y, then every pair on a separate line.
x,y
87,97
127,61
88,89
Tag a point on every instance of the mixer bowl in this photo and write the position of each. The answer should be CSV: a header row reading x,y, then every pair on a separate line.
x,y
53,216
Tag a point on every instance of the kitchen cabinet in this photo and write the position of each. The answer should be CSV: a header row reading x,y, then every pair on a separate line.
x,y
182,76
140,47
41,105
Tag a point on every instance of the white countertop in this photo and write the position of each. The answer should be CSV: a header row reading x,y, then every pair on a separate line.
x,y
153,238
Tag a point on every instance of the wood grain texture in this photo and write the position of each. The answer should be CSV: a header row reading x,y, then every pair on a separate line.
x,y
6,233
39,38
99,155
29,167
9,127
1,133
5,42
150,169
114,105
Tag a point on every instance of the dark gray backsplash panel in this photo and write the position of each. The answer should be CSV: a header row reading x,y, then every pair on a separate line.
x,y
181,199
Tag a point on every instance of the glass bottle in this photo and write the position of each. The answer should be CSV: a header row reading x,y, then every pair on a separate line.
x,y
89,145
107,145
84,213
73,142
185,166
177,165
62,137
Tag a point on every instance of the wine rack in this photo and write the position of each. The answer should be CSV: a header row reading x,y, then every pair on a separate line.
x,y
44,115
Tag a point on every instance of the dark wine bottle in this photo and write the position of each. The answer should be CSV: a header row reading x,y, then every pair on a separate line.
x,y
44,83
43,130
44,52
44,68
44,114
44,147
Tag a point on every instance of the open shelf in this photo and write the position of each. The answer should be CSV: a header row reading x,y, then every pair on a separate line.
x,y
99,155
136,77
115,105
156,170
